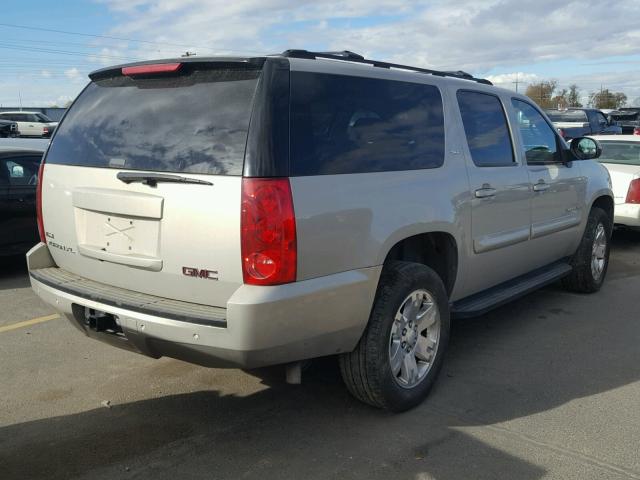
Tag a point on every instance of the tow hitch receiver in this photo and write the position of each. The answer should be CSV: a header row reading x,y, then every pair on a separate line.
x,y
102,322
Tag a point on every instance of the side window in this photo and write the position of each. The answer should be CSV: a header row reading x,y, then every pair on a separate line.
x,y
485,126
602,121
342,124
22,170
539,140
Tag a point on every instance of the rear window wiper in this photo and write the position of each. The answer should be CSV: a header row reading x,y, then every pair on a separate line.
x,y
152,179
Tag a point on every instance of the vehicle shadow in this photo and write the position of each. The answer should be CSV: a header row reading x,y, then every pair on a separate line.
x,y
13,272
531,356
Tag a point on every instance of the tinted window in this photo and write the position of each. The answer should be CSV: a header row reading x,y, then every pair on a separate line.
x,y
486,128
43,118
602,121
571,116
343,124
538,138
626,153
20,170
195,123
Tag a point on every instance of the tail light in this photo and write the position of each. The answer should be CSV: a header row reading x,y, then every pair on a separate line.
x,y
633,194
151,69
636,131
268,232
39,202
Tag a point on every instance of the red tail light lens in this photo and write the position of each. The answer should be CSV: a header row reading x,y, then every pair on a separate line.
x,y
636,131
39,202
268,232
633,194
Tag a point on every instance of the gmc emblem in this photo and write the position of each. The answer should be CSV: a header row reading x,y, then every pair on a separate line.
x,y
200,273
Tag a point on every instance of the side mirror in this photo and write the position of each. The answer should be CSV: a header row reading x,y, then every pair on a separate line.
x,y
585,148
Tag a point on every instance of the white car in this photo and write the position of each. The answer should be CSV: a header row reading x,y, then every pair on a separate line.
x,y
621,156
31,124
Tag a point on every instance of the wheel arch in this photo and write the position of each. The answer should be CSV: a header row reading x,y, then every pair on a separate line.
x,y
437,250
606,203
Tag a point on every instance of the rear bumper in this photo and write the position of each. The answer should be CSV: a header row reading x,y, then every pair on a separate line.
x,y
627,214
262,326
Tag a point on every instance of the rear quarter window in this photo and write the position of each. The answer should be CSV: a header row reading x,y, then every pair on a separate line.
x,y
194,123
342,124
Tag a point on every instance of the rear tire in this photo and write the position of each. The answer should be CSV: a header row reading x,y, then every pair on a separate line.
x,y
401,351
591,260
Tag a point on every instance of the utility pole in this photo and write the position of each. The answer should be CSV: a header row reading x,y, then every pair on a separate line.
x,y
517,82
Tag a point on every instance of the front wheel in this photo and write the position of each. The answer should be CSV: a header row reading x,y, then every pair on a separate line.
x,y
398,358
591,260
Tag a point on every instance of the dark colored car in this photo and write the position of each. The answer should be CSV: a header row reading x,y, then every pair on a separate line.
x,y
628,118
18,180
578,122
8,128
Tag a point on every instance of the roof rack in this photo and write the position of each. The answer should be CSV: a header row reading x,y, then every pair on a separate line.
x,y
348,56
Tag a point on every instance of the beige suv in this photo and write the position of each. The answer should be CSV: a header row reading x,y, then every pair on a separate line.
x,y
259,211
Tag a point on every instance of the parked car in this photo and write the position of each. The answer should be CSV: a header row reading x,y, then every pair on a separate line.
x,y
18,179
297,206
577,122
621,156
8,129
629,120
31,124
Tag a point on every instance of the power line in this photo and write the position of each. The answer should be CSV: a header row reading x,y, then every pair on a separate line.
x,y
92,35
109,37
63,52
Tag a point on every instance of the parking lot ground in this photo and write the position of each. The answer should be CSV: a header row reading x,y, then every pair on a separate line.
x,y
546,387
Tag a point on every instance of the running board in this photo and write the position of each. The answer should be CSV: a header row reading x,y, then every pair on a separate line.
x,y
481,303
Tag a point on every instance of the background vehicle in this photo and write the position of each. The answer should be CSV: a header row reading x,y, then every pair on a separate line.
x,y
628,119
18,179
31,124
8,129
621,156
319,209
578,122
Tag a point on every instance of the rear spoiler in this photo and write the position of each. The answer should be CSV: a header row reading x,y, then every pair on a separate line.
x,y
193,62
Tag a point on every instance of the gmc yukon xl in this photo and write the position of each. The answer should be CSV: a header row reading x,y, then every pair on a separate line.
x,y
244,212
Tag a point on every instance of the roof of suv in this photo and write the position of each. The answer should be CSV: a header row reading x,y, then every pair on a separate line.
x,y
344,56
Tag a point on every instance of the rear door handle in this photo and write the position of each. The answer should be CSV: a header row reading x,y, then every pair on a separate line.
x,y
541,187
485,192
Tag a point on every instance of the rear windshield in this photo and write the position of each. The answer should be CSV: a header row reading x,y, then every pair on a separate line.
x,y
625,153
572,116
625,116
194,123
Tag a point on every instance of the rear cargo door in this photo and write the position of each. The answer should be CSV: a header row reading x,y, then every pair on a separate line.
x,y
142,181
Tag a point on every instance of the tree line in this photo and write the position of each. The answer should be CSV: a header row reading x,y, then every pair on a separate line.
x,y
547,95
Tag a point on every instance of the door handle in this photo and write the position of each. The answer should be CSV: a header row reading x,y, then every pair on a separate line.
x,y
485,192
541,187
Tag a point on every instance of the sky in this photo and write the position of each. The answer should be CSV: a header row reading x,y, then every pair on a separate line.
x,y
47,48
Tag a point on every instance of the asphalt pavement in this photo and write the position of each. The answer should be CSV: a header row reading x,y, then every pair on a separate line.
x,y
546,387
